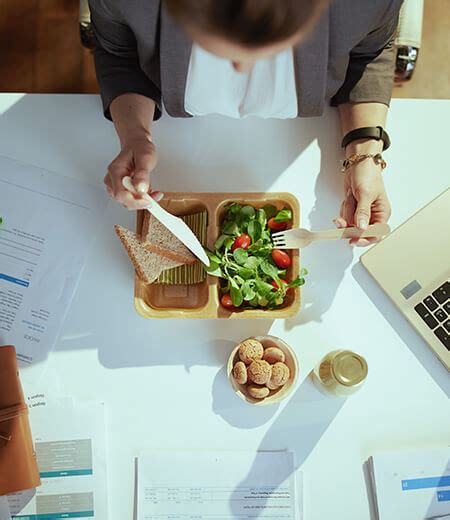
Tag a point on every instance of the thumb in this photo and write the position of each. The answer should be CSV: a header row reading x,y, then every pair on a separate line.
x,y
362,213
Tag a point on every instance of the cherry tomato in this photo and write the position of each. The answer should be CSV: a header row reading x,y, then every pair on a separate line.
x,y
243,242
281,258
227,302
275,285
276,226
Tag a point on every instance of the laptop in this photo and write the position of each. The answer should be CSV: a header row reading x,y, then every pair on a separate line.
x,y
415,272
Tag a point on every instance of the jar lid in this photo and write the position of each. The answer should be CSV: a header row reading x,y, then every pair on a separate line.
x,y
349,368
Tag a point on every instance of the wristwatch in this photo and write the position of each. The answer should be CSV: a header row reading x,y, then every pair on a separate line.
x,y
405,63
367,132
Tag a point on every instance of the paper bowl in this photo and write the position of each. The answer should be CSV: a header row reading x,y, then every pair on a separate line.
x,y
275,396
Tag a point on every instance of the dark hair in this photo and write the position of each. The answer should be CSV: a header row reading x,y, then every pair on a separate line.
x,y
252,23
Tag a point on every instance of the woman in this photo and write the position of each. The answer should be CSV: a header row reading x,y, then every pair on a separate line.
x,y
272,58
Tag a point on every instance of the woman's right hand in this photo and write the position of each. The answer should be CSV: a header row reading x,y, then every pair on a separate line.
x,y
137,159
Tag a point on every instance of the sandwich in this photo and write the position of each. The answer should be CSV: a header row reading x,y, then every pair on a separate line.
x,y
159,257
148,265
157,239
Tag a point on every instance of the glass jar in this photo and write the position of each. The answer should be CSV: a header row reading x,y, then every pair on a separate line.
x,y
341,373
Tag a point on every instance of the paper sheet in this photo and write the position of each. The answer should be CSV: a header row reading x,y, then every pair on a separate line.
x,y
213,485
49,222
71,453
412,485
4,508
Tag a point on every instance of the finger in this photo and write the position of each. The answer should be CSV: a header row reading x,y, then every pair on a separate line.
x,y
144,164
363,211
365,241
134,204
108,185
340,222
125,198
348,210
157,195
137,204
141,181
130,201
381,212
360,242
116,173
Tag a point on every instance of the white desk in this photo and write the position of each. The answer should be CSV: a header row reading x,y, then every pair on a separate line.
x,y
164,382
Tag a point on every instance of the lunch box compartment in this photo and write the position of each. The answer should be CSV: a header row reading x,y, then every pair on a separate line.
x,y
203,300
162,296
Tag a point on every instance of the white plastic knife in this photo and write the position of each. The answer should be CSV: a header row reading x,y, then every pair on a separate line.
x,y
174,224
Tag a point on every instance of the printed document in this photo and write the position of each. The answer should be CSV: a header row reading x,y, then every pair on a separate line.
x,y
70,449
48,224
212,485
412,485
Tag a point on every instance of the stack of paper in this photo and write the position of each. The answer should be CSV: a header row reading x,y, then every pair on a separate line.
x,y
70,448
48,224
411,485
225,485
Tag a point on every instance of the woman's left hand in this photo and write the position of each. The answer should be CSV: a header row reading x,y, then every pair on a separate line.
x,y
365,201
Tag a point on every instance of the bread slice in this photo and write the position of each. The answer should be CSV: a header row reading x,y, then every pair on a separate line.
x,y
148,265
158,239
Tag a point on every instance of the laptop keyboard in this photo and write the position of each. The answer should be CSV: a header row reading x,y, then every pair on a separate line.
x,y
435,312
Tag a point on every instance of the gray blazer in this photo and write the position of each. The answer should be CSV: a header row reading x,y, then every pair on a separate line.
x,y
348,57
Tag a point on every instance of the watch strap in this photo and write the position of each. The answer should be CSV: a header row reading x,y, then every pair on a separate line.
x,y
367,132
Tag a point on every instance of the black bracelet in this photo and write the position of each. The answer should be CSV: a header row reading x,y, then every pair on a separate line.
x,y
367,132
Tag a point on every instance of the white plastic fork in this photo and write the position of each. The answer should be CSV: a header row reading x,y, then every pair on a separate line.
x,y
300,238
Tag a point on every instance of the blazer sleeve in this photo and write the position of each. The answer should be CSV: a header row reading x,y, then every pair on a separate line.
x,y
370,72
116,58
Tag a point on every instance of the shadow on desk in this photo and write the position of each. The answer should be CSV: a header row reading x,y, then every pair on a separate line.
x,y
233,409
370,491
308,413
18,501
403,328
200,343
326,261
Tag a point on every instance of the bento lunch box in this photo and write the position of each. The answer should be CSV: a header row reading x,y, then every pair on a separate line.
x,y
202,300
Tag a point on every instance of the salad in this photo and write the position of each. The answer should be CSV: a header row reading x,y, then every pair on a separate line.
x,y
252,272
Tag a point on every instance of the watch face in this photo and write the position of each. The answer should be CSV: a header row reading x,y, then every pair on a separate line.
x,y
87,35
405,62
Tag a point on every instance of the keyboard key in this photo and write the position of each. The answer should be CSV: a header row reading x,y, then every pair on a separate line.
x,y
447,307
430,302
440,314
443,336
421,309
442,293
447,326
427,317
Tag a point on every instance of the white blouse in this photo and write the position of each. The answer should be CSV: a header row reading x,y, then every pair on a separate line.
x,y
214,87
